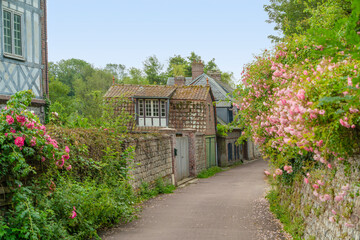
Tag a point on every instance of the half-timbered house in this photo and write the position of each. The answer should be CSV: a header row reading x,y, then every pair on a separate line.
x,y
23,51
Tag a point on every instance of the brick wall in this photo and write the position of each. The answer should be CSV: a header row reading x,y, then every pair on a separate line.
x,y
153,159
317,213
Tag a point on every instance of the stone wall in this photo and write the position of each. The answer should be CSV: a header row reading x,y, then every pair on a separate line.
x,y
200,152
317,214
153,159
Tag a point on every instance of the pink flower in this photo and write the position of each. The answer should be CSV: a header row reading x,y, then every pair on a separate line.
x,y
327,197
6,134
329,166
333,211
12,130
69,168
346,187
305,72
30,125
349,225
339,198
19,141
353,126
66,157
320,182
267,173
21,119
319,143
33,141
332,219
60,163
353,110
306,180
9,119
316,194
43,159
73,213
67,149
344,123
315,186
322,112
278,172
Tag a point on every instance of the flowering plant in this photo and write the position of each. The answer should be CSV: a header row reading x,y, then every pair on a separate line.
x,y
25,146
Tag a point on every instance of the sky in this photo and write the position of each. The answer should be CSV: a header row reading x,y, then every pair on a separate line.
x,y
128,31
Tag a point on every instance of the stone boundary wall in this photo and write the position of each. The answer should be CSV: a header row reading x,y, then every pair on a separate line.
x,y
200,152
317,213
153,159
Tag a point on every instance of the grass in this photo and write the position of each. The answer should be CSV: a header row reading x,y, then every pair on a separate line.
x,y
292,224
209,172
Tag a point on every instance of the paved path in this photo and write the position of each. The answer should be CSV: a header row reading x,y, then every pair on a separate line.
x,y
227,206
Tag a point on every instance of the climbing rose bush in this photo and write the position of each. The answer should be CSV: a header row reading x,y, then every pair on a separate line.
x,y
25,146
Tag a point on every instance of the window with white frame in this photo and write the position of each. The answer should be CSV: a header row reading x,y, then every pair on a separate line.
x,y
12,27
148,108
163,108
152,112
141,108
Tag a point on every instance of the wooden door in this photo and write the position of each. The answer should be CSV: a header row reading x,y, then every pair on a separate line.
x,y
182,158
211,151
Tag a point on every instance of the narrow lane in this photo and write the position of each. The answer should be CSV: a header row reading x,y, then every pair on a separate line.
x,y
229,205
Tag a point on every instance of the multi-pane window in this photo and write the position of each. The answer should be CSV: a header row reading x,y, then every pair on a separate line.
x,y
141,108
155,108
12,33
163,109
148,108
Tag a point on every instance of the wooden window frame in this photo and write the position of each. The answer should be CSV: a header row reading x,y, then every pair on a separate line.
x,y
12,30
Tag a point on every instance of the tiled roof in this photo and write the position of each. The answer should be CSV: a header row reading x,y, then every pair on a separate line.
x,y
191,93
171,81
136,91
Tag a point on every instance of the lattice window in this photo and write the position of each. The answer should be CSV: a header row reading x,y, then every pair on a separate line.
x,y
148,108
163,109
156,108
141,108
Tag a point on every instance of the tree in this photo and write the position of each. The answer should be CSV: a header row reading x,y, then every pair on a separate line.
x,y
176,61
153,70
291,16
211,66
117,70
135,76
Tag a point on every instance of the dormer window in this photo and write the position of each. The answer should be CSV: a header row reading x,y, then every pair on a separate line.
x,y
152,112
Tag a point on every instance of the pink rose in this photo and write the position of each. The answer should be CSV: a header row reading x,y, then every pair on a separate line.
x,y
19,141
73,214
9,119
306,180
67,149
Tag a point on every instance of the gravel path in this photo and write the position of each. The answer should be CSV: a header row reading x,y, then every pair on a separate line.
x,y
230,205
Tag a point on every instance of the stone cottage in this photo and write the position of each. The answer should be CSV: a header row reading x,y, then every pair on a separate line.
x,y
229,152
23,51
187,112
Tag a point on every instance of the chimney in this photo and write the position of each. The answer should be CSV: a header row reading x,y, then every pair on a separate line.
x,y
215,75
180,81
197,69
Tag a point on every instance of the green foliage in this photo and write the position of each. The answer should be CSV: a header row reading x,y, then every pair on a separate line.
x,y
147,191
49,201
292,224
209,172
153,70
222,130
